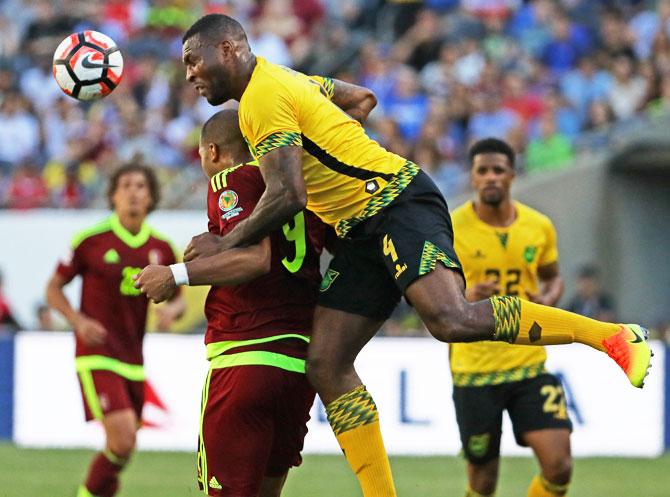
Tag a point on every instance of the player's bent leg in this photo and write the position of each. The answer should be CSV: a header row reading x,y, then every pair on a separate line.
x,y
482,478
103,473
552,449
337,338
439,300
272,486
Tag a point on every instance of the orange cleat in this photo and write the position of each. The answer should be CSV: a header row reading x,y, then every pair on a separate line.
x,y
630,350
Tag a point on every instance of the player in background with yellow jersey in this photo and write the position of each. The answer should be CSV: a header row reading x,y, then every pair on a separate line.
x,y
395,233
507,248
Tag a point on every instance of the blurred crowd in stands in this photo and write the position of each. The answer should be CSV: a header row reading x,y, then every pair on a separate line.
x,y
551,76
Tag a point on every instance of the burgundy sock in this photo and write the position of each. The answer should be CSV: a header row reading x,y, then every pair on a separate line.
x,y
103,476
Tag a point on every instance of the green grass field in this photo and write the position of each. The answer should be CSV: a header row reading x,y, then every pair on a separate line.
x,y
33,473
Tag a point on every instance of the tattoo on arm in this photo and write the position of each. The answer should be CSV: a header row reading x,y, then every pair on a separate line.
x,y
285,194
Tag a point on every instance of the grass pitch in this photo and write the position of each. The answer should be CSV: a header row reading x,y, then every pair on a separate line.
x,y
31,472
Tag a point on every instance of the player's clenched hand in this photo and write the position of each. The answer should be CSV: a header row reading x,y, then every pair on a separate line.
x,y
90,331
203,245
157,282
482,291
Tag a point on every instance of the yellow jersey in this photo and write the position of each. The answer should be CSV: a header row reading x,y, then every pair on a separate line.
x,y
349,177
510,256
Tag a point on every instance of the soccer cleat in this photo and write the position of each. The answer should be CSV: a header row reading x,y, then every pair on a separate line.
x,y
630,350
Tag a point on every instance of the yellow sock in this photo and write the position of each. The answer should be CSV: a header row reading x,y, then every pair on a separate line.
x,y
471,493
540,487
355,422
526,323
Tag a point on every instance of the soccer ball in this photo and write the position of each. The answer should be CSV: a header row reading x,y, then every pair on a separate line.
x,y
87,65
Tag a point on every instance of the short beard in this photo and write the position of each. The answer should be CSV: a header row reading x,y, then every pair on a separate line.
x,y
493,201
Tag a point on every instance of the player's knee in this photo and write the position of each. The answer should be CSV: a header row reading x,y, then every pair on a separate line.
x,y
558,469
316,369
122,444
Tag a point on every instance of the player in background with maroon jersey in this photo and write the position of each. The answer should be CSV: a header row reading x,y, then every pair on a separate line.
x,y
110,324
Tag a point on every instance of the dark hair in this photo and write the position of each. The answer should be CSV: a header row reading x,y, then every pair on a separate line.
x,y
135,167
492,146
221,128
214,24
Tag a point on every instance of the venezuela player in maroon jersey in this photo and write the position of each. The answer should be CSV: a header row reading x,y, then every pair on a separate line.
x,y
110,324
256,398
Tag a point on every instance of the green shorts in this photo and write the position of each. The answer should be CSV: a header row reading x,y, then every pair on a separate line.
x,y
533,404
384,254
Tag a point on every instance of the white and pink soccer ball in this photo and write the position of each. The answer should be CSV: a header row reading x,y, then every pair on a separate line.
x,y
87,65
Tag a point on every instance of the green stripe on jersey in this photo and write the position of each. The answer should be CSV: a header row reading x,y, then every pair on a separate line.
x,y
394,188
132,372
133,241
113,224
217,348
96,229
498,377
259,358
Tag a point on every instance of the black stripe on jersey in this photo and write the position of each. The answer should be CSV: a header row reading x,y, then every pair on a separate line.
x,y
340,167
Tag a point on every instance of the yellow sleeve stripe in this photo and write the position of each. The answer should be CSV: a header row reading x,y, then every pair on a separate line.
x,y
277,140
220,181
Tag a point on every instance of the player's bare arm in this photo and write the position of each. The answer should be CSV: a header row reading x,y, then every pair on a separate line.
x,y
89,330
357,101
231,267
551,285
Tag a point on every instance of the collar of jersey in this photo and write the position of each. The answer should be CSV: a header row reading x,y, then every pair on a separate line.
x,y
133,241
503,229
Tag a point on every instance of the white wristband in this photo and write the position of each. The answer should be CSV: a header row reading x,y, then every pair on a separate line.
x,y
180,274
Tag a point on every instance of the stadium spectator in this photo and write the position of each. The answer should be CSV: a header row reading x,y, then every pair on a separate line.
x,y
585,84
598,123
628,89
551,150
407,104
72,195
19,129
44,320
569,42
27,189
590,300
490,118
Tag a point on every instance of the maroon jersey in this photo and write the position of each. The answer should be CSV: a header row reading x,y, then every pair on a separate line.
x,y
107,256
281,301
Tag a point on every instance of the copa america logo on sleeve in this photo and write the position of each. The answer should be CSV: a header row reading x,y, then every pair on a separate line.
x,y
228,204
